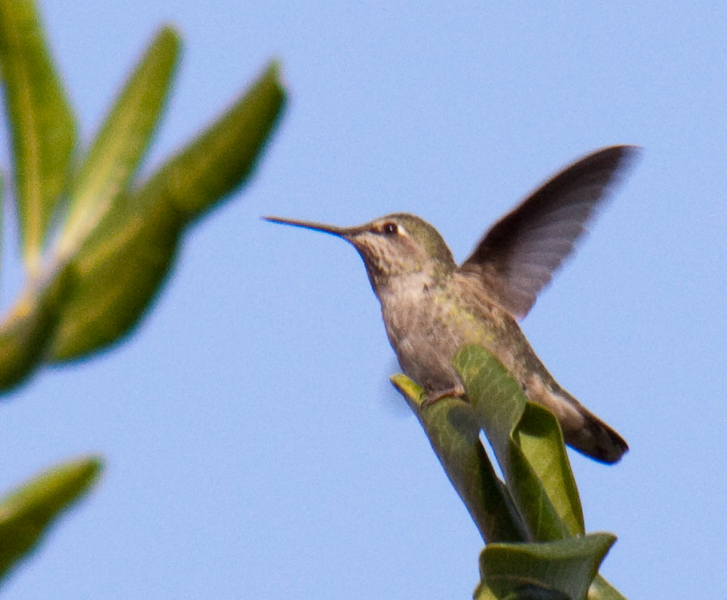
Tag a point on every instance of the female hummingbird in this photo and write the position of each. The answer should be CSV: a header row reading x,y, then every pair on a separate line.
x,y
431,307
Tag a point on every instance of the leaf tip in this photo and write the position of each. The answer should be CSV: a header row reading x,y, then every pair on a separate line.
x,y
413,394
169,33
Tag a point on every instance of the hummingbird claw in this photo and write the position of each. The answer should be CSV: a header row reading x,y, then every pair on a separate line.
x,y
454,392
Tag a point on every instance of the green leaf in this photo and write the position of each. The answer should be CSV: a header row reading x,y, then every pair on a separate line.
x,y
453,432
118,282
528,444
540,448
42,125
602,590
223,157
121,142
27,513
547,570
27,331
128,256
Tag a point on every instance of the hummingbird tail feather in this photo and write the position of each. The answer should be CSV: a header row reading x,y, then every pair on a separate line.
x,y
597,440
582,430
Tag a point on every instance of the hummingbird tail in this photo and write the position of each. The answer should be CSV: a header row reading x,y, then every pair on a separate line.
x,y
582,430
597,440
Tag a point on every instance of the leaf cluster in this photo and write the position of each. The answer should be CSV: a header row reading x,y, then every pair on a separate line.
x,y
97,243
531,520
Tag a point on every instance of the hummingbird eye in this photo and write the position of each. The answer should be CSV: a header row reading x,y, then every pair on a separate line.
x,y
389,228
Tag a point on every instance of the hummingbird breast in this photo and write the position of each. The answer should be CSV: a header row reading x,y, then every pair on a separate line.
x,y
427,321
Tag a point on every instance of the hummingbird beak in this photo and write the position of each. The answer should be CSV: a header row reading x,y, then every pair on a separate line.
x,y
332,229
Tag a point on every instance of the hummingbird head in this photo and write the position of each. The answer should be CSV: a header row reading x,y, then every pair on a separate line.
x,y
393,246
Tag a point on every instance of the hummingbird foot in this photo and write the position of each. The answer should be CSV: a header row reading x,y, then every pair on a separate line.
x,y
456,391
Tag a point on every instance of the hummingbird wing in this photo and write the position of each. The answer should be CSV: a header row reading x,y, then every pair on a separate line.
x,y
519,254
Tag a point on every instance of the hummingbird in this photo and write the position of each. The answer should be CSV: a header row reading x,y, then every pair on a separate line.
x,y
431,307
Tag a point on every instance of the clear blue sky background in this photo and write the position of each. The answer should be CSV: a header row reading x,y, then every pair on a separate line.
x,y
254,447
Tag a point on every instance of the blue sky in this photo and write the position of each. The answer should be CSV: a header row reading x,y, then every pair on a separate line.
x,y
254,446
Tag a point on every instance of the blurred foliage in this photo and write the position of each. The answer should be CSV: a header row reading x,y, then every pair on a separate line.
x,y
97,244
28,512
532,522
